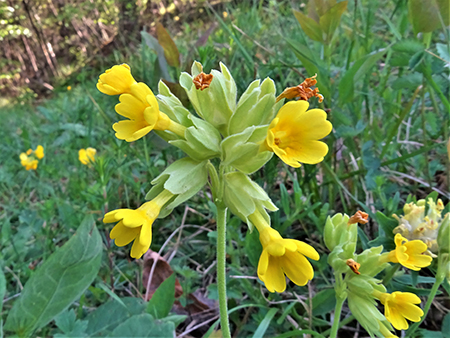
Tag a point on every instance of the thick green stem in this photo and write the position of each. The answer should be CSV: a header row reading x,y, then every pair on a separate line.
x,y
390,272
221,275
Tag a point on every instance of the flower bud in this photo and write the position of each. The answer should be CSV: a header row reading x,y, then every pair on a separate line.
x,y
242,151
339,232
183,178
214,103
243,197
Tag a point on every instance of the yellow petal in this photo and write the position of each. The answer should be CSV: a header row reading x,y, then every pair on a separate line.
x,y
131,130
297,268
263,264
313,125
83,157
292,110
39,152
145,237
137,250
131,107
140,90
116,80
310,152
307,250
274,277
122,234
131,218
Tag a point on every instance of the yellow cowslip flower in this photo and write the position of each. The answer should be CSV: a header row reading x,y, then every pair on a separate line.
x,y
69,88
410,254
87,156
137,103
116,80
399,306
294,134
30,159
136,224
282,257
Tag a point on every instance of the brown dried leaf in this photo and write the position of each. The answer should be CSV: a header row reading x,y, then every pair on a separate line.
x,y
170,48
161,273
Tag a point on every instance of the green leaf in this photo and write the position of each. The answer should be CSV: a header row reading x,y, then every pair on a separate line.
x,y
410,46
171,52
253,247
153,44
285,199
428,15
324,302
144,326
330,20
108,316
63,278
265,323
446,326
309,26
356,73
162,300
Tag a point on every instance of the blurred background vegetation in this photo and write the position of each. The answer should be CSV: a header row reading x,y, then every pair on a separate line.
x,y
383,67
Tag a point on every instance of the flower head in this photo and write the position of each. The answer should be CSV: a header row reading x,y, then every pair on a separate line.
x,y
399,306
136,224
87,156
284,257
410,254
116,80
416,225
295,132
30,159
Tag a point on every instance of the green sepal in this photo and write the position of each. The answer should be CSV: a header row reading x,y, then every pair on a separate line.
x,y
170,105
243,197
202,140
338,232
216,103
370,261
183,178
255,107
242,151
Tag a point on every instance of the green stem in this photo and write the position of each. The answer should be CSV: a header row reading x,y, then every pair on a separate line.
x,y
340,299
438,91
440,275
221,274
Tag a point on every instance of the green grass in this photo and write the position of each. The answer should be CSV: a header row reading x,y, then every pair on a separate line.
x,y
389,141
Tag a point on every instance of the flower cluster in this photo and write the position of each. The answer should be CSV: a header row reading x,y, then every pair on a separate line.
x,y
242,134
355,276
31,158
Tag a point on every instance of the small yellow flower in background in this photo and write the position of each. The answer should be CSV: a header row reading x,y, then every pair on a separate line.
x,y
282,257
29,160
410,254
399,306
69,88
295,132
87,156
137,103
136,224
116,80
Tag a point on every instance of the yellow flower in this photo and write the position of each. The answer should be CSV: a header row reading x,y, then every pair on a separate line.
x,y
408,253
28,162
69,88
136,224
399,306
284,257
116,81
39,152
87,156
295,132
30,159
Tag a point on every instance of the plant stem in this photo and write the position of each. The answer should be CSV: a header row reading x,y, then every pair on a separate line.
x,y
390,273
221,275
341,295
440,275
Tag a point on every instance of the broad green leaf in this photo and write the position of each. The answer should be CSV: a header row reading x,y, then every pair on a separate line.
x,y
144,326
356,73
428,15
262,328
331,19
410,46
446,326
170,48
309,26
108,316
324,302
443,51
162,300
63,278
